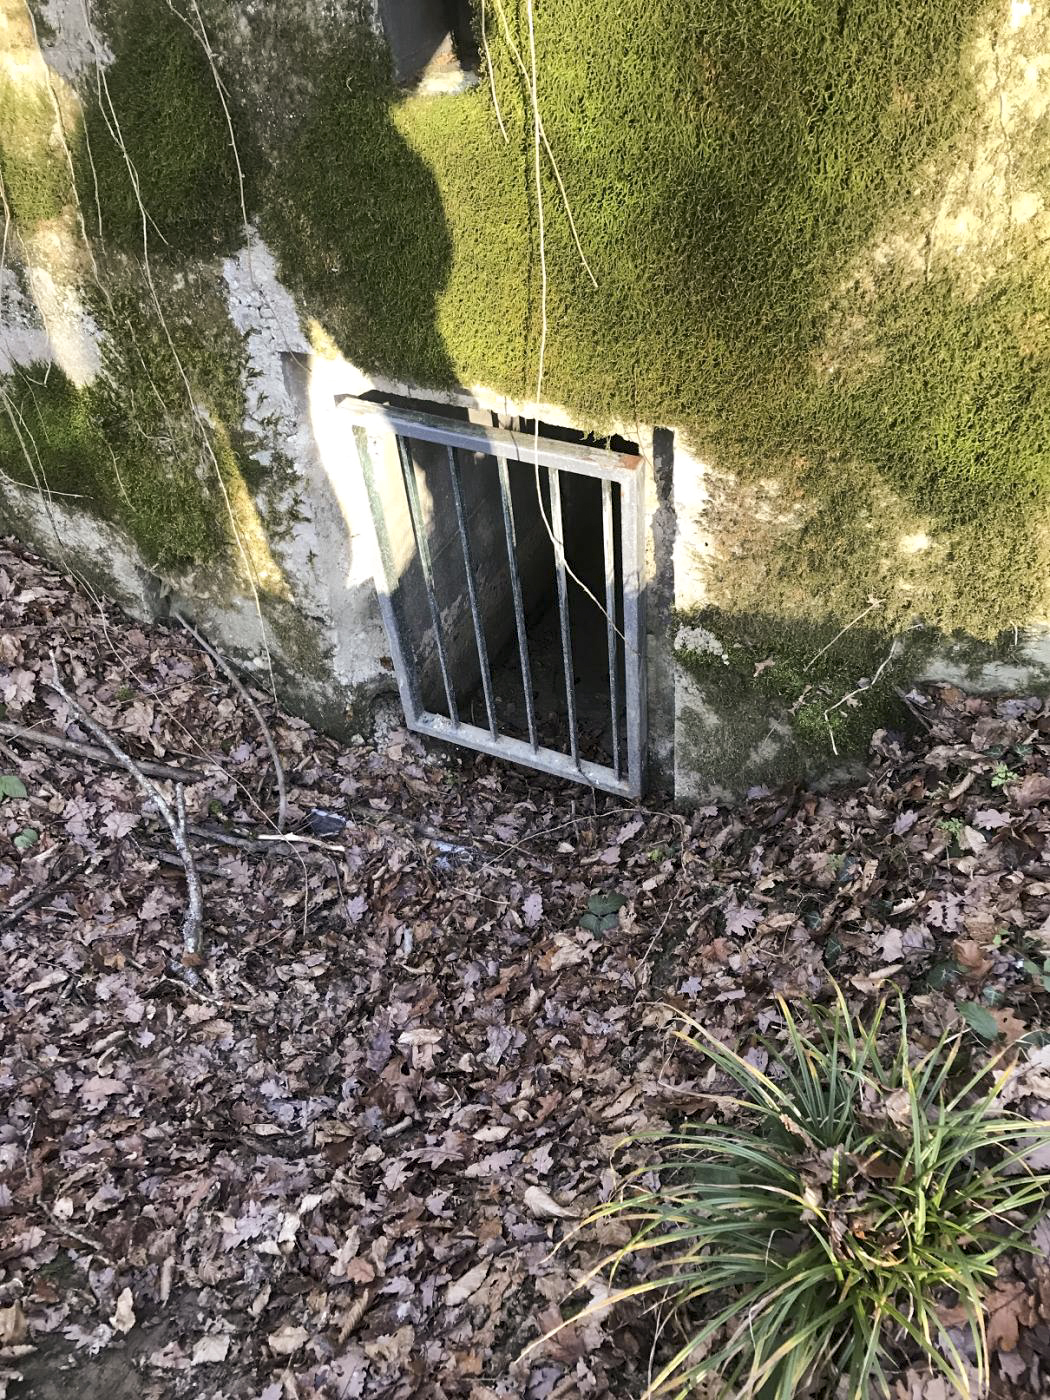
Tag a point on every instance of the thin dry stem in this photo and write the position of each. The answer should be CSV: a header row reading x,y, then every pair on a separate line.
x,y
244,693
193,922
873,603
492,76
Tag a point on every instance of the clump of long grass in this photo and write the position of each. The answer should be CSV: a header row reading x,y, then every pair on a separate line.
x,y
816,1235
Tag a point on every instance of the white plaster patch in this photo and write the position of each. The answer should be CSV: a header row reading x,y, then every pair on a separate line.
x,y
699,640
22,335
265,313
50,326
72,333
1028,669
325,553
914,544
693,544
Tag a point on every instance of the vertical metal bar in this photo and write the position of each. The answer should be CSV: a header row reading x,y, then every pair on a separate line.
x,y
610,617
386,579
519,602
419,529
472,591
563,611
632,550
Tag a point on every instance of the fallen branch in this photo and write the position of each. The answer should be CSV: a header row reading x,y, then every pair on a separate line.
x,y
11,916
193,923
96,754
242,691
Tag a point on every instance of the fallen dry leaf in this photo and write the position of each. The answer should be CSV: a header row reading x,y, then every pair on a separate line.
x,y
1008,1308
212,1349
1032,791
971,957
287,1340
545,1207
462,1288
12,1325
123,1319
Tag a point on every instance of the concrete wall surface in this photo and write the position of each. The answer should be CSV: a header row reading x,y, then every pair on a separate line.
x,y
223,219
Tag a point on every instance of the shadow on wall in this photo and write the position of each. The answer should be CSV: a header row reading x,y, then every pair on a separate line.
x,y
366,214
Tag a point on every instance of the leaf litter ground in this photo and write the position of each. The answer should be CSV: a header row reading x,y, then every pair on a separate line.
x,y
337,1160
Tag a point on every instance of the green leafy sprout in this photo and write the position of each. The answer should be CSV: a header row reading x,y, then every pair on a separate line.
x,y
811,1237
1002,774
952,827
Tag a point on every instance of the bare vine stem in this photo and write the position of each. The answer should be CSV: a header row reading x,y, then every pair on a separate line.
x,y
174,819
245,694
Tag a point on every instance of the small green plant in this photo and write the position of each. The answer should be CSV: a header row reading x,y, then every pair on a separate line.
x,y
26,839
1002,774
813,1235
602,912
11,786
1039,973
952,828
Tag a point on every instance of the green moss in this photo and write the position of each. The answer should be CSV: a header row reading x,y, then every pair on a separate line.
x,y
359,220
129,445
800,674
49,437
32,164
957,418
161,101
727,166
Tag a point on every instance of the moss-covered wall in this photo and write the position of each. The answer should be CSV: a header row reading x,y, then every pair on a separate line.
x,y
765,194
818,229
126,194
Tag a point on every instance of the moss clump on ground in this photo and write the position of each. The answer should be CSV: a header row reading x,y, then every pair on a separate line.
x,y
727,167
161,100
32,164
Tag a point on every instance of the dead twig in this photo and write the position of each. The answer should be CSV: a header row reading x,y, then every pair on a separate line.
x,y
242,691
64,1227
166,858
175,820
873,603
303,841
858,690
96,754
11,916
915,714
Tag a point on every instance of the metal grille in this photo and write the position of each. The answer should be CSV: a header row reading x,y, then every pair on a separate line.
x,y
377,429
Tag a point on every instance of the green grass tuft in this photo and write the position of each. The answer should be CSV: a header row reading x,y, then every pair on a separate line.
x,y
815,1235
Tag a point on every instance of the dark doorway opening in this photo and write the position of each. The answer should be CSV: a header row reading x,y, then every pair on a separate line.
x,y
424,34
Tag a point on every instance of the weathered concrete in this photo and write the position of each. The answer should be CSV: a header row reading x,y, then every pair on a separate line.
x,y
294,593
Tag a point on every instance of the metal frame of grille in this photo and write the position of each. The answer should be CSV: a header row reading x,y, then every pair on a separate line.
x,y
372,425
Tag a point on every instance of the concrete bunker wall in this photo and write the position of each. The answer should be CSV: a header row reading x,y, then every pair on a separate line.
x,y
853,367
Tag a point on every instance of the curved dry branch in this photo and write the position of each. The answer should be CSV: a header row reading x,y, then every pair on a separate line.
x,y
242,691
175,821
